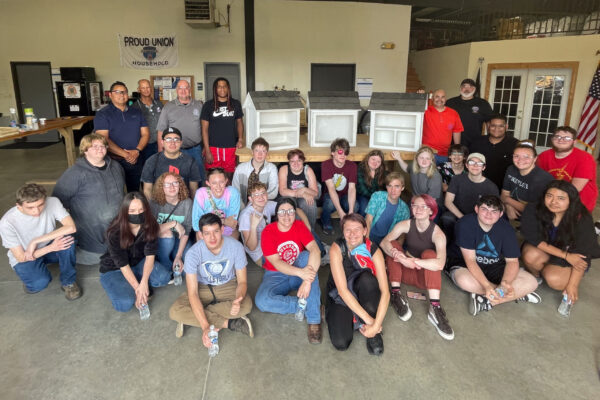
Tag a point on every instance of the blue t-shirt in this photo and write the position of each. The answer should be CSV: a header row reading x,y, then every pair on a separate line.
x,y
491,248
382,227
215,269
123,126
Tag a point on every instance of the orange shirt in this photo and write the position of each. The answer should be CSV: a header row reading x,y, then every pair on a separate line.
x,y
438,128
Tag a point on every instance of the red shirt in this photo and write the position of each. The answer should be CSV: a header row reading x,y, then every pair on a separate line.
x,y
438,128
578,164
287,244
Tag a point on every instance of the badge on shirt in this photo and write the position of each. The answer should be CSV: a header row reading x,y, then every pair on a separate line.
x,y
196,112
475,109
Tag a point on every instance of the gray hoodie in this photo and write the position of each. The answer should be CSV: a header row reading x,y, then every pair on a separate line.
x,y
93,197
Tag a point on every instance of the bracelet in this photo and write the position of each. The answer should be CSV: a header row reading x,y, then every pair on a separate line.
x,y
139,151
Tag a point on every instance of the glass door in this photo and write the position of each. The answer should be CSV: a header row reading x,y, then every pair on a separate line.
x,y
507,97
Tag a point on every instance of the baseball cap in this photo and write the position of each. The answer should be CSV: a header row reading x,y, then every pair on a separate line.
x,y
468,81
172,129
476,155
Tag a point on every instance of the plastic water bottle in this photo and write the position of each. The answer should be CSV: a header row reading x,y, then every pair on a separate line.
x,y
300,308
564,308
213,335
14,120
177,280
144,312
500,291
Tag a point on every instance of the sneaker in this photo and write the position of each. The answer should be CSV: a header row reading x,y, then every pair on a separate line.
x,y
72,291
597,227
375,345
437,316
314,334
242,325
479,303
532,297
179,330
401,306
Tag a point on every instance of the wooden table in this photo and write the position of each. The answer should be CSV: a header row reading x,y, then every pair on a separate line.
x,y
64,126
320,154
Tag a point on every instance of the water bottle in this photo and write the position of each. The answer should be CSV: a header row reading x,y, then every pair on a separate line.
x,y
300,308
177,280
564,308
213,335
144,312
14,120
500,291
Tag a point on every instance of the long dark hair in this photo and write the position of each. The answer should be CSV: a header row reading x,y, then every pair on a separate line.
x,y
216,98
565,235
121,222
379,175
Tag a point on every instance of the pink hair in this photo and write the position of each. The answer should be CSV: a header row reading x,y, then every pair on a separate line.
x,y
429,202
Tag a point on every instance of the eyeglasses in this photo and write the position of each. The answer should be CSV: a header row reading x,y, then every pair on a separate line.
x,y
477,163
489,211
259,194
290,212
169,184
562,138
419,206
172,140
98,147
454,153
120,92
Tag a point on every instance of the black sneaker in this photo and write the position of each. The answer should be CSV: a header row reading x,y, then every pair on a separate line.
x,y
401,306
437,316
242,325
479,303
375,345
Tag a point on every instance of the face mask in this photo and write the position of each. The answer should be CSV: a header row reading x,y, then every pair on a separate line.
x,y
137,219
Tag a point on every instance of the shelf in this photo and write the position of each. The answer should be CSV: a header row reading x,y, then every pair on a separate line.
x,y
277,127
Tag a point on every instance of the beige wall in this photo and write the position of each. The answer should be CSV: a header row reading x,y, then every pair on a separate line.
x,y
289,36
74,33
442,68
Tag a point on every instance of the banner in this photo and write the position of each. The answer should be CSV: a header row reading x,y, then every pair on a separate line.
x,y
148,52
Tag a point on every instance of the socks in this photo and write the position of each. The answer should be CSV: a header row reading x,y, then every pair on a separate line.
x,y
395,289
435,302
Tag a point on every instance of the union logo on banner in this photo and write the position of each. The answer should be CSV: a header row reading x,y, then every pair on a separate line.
x,y
148,52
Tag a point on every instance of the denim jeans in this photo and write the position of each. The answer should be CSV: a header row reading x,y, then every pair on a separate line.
x,y
329,208
133,173
36,276
362,202
196,153
120,292
272,293
167,249
149,150
440,159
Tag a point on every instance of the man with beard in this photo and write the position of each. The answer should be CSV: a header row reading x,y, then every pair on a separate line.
x,y
473,111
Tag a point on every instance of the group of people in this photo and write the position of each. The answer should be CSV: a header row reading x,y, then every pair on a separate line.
x,y
466,198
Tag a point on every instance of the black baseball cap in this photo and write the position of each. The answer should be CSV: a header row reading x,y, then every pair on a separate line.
x,y
468,81
172,129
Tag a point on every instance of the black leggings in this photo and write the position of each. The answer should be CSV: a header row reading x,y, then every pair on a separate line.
x,y
339,317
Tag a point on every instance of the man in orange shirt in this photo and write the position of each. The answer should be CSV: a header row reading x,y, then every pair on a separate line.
x,y
441,126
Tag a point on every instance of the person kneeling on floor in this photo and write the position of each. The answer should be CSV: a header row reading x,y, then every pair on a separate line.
x,y
484,259
217,284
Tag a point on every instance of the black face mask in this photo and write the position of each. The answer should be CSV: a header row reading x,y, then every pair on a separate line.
x,y
137,219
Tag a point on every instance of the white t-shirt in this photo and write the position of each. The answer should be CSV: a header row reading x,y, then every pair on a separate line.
x,y
244,225
215,269
17,228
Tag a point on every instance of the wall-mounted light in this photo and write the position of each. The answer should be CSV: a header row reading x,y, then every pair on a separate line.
x,y
387,46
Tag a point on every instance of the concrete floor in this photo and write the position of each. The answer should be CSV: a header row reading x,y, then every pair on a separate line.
x,y
54,349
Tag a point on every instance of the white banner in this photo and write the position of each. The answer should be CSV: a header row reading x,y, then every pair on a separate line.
x,y
148,52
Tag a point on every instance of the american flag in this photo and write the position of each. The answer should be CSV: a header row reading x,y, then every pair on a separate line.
x,y
589,116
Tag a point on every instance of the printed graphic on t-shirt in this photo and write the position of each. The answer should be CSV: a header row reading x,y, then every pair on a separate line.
x,y
174,169
296,184
216,271
162,218
475,109
223,112
340,182
561,173
486,252
288,251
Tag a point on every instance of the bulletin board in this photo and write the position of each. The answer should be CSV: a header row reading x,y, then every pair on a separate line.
x,y
164,86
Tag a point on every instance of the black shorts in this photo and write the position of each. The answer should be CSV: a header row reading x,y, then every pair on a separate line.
x,y
493,274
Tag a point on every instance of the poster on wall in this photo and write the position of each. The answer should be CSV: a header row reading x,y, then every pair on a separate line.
x,y
148,52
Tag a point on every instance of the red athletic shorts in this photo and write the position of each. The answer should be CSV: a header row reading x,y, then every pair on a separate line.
x,y
222,157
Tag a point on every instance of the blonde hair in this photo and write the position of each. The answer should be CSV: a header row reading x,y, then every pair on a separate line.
x,y
86,142
432,168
